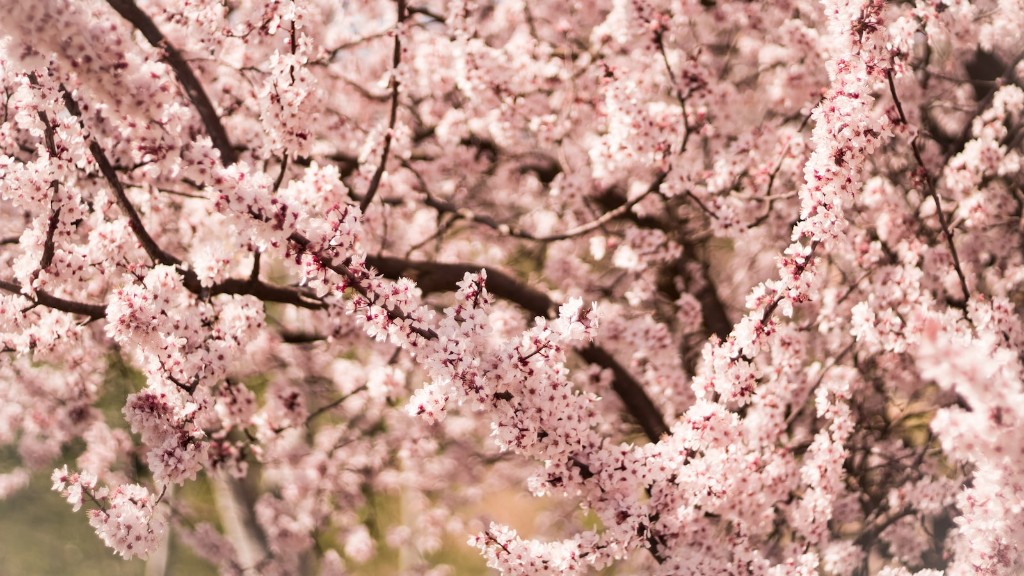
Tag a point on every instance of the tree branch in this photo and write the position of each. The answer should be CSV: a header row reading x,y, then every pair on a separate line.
x,y
630,391
515,232
930,186
437,277
193,88
263,291
441,276
134,221
93,311
51,147
396,59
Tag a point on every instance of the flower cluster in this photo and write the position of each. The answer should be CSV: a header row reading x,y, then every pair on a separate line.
x,y
728,287
127,518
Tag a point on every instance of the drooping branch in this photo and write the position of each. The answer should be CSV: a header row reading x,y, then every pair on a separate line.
x,y
439,277
435,277
193,87
929,184
107,169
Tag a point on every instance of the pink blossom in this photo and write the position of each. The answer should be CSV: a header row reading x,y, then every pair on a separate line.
x,y
728,287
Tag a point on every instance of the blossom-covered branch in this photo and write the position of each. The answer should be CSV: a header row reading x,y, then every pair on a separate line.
x,y
728,287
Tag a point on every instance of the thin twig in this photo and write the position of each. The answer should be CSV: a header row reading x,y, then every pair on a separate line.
x,y
768,191
51,147
354,43
515,232
396,60
930,187
659,39
334,404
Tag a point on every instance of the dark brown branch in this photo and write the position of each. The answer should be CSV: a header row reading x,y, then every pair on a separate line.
x,y
254,275
134,221
280,175
438,277
930,187
290,337
427,12
107,169
441,276
396,59
261,290
93,311
51,147
630,391
193,88
49,248
515,232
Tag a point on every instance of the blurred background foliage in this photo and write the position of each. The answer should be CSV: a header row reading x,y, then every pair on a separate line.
x,y
41,536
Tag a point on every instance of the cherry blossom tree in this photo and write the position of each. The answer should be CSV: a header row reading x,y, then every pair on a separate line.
x,y
731,287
